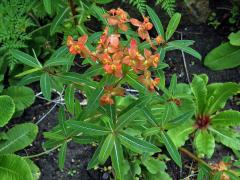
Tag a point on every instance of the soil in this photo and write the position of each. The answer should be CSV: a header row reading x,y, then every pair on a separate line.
x,y
206,38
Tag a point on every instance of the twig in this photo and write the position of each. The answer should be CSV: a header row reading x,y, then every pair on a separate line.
x,y
45,115
184,62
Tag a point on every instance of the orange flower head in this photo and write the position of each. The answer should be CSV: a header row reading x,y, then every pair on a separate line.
x,y
117,17
159,39
151,60
110,91
148,81
78,47
143,27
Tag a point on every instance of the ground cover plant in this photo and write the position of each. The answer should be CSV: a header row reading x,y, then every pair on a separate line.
x,y
121,102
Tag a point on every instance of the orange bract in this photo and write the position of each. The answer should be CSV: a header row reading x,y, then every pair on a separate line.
x,y
117,17
78,47
148,81
143,27
110,91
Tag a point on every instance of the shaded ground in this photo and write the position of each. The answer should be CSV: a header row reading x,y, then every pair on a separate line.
x,y
78,156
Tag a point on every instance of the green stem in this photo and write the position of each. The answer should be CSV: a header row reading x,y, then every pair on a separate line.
x,y
43,153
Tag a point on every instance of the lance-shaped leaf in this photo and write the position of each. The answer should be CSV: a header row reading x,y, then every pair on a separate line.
x,y
149,116
26,59
200,92
48,6
106,148
156,21
58,20
62,155
137,145
131,111
225,138
87,128
117,158
19,137
45,85
30,78
204,143
61,119
132,80
171,148
7,109
172,25
14,167
57,62
78,79
69,98
181,46
94,161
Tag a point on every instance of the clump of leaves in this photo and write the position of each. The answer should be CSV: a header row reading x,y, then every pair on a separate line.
x,y
13,27
210,124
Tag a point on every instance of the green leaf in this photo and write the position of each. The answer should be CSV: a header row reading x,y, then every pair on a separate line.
x,y
26,59
78,79
225,138
234,38
218,94
106,148
57,62
45,85
13,167
62,118
156,21
103,1
58,20
94,161
98,13
148,114
19,137
34,169
199,90
154,165
94,70
171,148
204,143
22,96
228,118
48,6
137,145
28,79
181,118
69,98
132,80
117,158
181,133
151,131
222,57
178,45
84,139
87,128
172,25
131,111
62,155
7,109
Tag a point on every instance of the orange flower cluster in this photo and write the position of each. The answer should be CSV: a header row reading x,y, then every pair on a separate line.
x,y
113,55
110,91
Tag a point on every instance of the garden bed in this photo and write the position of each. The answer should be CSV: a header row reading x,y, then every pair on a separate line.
x,y
78,156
